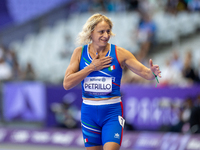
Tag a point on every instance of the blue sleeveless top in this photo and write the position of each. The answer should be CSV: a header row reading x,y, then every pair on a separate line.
x,y
104,83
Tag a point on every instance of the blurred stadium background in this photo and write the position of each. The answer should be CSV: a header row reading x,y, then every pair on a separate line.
x,y
37,38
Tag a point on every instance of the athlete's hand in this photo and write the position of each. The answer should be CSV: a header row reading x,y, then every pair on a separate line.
x,y
101,63
155,68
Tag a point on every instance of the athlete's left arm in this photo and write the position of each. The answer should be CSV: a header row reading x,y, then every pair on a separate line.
x,y
127,59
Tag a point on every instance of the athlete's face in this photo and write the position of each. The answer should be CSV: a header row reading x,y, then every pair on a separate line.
x,y
101,34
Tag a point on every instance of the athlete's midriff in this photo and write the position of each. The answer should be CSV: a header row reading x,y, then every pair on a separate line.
x,y
99,99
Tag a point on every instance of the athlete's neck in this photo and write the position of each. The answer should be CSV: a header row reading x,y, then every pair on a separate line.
x,y
98,49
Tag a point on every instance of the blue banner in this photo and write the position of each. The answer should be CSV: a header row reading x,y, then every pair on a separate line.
x,y
150,108
24,101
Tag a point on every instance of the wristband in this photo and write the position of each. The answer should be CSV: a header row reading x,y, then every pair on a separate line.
x,y
156,78
94,66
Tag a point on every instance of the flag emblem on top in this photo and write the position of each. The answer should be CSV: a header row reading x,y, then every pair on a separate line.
x,y
111,68
86,140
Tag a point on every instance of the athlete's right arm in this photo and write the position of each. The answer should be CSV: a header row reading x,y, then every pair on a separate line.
x,y
72,75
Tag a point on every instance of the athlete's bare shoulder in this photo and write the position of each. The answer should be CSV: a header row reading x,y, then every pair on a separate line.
x,y
122,55
122,51
77,52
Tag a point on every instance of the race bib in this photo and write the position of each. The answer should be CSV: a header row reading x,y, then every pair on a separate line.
x,y
121,121
98,85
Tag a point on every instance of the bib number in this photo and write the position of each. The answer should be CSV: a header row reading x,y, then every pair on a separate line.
x,y
121,121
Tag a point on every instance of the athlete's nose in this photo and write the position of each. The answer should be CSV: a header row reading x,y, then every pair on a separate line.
x,y
106,35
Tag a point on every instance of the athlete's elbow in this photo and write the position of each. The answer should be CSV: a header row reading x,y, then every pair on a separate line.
x,y
66,86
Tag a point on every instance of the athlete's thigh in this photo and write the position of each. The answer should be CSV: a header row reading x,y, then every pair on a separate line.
x,y
111,146
112,130
90,129
95,148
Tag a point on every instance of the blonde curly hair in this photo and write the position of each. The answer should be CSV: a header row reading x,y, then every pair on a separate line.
x,y
84,37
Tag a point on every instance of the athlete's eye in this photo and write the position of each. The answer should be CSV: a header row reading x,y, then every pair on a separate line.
x,y
101,32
